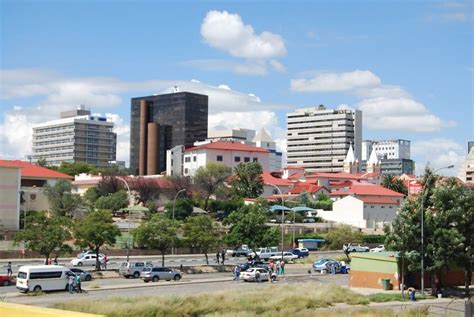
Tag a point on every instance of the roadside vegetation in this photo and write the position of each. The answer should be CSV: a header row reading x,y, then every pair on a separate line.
x,y
285,300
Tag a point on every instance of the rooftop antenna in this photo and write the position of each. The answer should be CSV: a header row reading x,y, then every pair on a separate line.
x,y
175,89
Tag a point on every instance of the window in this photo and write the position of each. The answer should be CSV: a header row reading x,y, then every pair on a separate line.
x,y
41,275
185,171
187,159
219,158
255,159
246,159
171,162
194,158
237,159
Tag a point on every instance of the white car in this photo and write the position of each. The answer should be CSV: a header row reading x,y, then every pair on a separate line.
x,y
379,248
287,256
354,247
88,259
249,275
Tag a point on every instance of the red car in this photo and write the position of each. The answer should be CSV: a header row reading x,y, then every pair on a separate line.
x,y
5,280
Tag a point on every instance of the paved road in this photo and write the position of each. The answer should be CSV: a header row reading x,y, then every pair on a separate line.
x,y
166,289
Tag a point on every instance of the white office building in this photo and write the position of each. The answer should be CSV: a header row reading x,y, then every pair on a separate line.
x,y
77,137
387,149
319,138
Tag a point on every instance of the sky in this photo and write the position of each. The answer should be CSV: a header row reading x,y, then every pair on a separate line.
x,y
408,65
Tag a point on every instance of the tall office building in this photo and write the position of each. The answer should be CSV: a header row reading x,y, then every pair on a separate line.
x,y
161,122
77,137
319,138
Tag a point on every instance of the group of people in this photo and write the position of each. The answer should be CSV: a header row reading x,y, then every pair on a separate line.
x,y
276,268
55,261
74,284
220,257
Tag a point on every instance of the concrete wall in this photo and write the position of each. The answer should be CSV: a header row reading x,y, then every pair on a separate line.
x,y
348,210
35,199
10,180
377,215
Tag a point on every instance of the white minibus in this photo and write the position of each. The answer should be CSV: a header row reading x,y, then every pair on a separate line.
x,y
42,278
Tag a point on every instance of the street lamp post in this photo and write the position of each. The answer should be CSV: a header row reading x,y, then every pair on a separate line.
x,y
422,226
128,233
282,219
174,204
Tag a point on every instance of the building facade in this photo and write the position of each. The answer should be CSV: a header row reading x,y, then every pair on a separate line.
x,y
230,154
77,137
387,149
319,138
161,122
10,182
466,172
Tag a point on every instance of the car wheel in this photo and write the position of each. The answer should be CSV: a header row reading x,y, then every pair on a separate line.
x,y
88,278
136,275
37,289
127,276
146,281
155,279
177,277
353,250
6,283
79,264
367,250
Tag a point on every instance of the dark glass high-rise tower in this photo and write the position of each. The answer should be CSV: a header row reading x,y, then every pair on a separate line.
x,y
161,122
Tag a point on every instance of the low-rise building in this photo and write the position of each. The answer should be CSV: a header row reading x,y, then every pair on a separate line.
x,y
466,172
10,193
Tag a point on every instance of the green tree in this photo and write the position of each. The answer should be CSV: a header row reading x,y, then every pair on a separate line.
x,y
337,237
183,209
96,229
91,195
200,232
76,168
159,233
113,202
397,185
42,162
61,200
248,181
147,189
248,226
44,235
209,179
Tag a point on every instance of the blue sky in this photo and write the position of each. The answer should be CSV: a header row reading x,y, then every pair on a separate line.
x,y
407,65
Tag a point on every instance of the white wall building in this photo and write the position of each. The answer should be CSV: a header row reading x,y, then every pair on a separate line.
x,y
230,154
386,149
174,161
362,212
466,172
319,138
240,135
10,181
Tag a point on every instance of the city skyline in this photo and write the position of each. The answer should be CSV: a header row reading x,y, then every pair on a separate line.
x,y
407,66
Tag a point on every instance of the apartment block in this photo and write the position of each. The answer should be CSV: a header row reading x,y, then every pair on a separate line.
x,y
77,136
386,149
319,138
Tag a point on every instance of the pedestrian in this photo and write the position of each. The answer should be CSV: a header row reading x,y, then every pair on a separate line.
x,y
278,268
78,283
74,283
257,276
234,272
411,294
223,256
237,274
9,269
343,267
56,261
218,255
282,267
49,261
106,259
71,284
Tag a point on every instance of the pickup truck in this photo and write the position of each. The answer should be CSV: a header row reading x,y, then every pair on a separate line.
x,y
354,247
266,253
240,251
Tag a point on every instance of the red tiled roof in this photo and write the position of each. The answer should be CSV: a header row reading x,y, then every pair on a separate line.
x,y
378,200
343,175
296,175
309,188
31,170
228,146
366,190
270,179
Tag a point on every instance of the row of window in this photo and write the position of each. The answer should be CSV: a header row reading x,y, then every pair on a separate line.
x,y
323,132
316,144
61,141
51,136
51,129
220,158
54,149
315,114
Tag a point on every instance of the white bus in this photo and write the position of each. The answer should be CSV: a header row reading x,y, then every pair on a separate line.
x,y
42,278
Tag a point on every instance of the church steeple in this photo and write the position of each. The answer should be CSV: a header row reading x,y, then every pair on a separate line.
x,y
351,164
373,164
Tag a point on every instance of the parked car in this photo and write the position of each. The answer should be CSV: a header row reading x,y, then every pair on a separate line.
x,y
326,265
379,248
266,253
88,259
155,274
287,256
249,275
85,276
355,247
133,269
5,280
309,220
248,265
300,252
240,251
39,278
88,252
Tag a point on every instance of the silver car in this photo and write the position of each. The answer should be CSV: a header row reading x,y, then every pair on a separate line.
x,y
155,274
133,269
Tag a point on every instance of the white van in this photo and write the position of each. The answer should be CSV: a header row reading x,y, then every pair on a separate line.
x,y
42,278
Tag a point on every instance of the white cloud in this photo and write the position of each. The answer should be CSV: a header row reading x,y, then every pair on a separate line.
x,y
438,152
336,81
123,136
226,31
253,69
384,107
277,66
454,11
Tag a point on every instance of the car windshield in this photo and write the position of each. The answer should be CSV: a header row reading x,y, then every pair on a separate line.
x,y
148,269
22,274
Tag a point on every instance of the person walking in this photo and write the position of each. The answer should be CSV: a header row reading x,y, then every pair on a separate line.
x,y
9,269
106,259
218,255
282,267
237,274
55,261
278,268
223,256
257,276
71,284
78,284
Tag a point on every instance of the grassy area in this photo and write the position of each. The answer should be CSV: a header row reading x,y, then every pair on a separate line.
x,y
272,300
390,297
